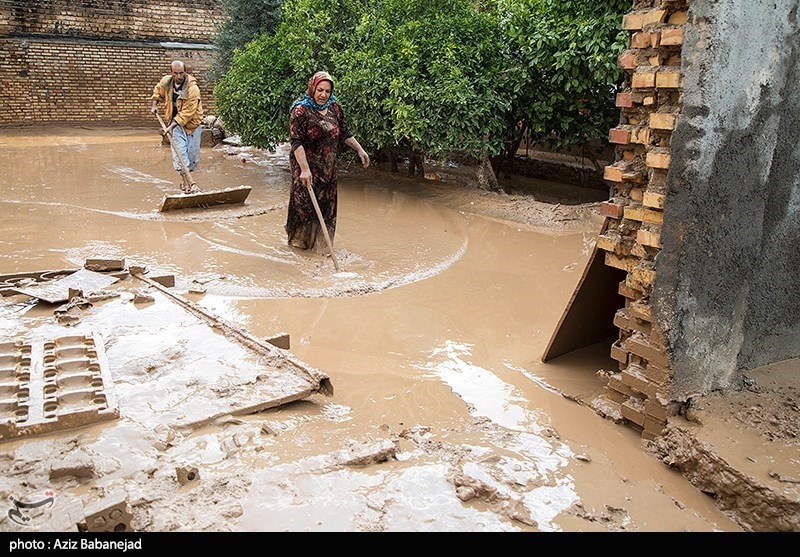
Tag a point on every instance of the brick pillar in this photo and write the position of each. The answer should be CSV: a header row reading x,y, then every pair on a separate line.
x,y
650,105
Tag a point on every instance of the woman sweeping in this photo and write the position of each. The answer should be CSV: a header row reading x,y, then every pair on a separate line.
x,y
317,126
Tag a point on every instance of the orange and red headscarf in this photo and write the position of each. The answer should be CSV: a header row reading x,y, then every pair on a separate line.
x,y
308,99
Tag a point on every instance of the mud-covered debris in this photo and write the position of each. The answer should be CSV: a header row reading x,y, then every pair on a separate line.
x,y
187,474
366,453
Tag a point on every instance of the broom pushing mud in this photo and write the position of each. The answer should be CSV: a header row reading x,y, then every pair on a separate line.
x,y
191,196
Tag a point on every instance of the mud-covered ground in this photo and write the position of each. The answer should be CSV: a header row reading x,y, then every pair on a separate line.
x,y
442,416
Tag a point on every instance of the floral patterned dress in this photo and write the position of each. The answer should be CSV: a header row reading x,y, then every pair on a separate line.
x,y
320,133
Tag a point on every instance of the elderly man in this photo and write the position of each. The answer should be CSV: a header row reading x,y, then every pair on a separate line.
x,y
183,109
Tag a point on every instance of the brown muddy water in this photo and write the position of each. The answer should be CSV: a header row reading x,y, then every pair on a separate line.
x,y
431,334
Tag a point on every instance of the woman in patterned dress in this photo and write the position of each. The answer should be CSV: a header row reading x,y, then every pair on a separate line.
x,y
317,127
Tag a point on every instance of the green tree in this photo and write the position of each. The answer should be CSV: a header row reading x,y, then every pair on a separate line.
x,y
431,78
244,20
254,96
427,78
568,53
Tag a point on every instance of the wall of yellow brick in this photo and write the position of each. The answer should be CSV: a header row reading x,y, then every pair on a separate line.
x,y
650,106
63,61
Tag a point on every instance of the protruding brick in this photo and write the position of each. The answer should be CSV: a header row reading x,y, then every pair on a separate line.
x,y
612,173
640,39
632,22
640,135
662,121
618,262
611,210
648,238
619,354
621,320
657,160
672,37
643,80
627,60
627,292
624,100
619,136
668,80
654,200
654,16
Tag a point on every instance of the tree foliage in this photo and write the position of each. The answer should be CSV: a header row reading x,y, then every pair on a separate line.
x,y
568,52
244,20
254,96
426,75
435,77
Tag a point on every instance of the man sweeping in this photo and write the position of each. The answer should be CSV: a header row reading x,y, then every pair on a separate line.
x,y
183,109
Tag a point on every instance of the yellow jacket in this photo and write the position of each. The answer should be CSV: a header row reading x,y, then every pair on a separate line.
x,y
190,107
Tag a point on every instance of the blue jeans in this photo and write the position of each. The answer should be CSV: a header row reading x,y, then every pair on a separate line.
x,y
188,145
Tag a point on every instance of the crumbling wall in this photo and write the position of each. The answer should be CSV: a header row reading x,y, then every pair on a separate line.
x,y
63,61
705,201
727,277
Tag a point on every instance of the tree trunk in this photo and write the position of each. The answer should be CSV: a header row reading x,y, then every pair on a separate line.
x,y
487,180
415,164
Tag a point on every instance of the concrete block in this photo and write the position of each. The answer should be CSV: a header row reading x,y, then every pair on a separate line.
x,y
100,265
111,514
165,280
280,340
187,474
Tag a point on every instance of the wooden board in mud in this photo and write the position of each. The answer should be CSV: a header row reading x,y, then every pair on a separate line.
x,y
205,199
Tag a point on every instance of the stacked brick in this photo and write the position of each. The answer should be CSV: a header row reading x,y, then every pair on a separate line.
x,y
649,104
63,62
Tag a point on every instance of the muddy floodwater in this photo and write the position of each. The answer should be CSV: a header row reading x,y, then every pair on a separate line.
x,y
431,333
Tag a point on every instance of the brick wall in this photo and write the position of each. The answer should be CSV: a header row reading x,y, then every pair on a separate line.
x,y
650,105
133,20
98,61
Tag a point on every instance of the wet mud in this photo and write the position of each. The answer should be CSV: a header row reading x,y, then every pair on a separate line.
x,y
442,416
